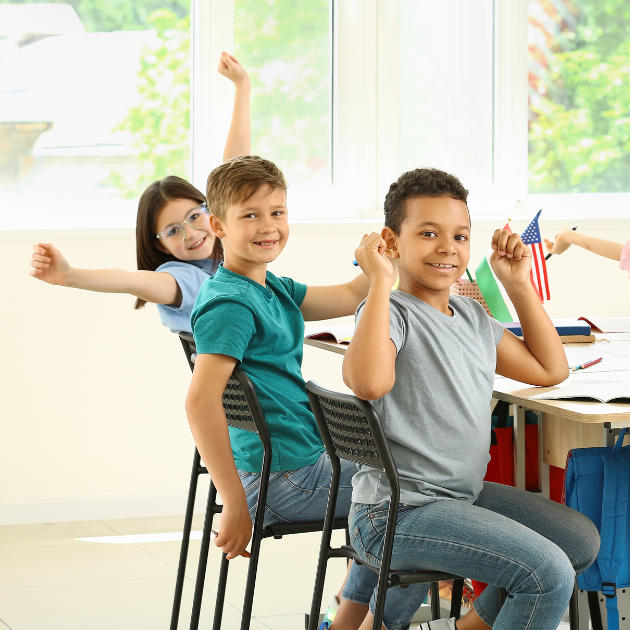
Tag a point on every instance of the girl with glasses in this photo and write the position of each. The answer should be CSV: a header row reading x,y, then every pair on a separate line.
x,y
175,248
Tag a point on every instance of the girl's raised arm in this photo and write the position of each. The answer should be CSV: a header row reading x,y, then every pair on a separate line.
x,y
50,266
239,137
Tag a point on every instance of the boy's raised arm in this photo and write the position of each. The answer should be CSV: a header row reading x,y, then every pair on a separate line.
x,y
538,358
209,427
338,300
239,136
369,363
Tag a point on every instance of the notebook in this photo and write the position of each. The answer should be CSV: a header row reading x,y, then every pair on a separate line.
x,y
609,324
603,391
565,327
339,334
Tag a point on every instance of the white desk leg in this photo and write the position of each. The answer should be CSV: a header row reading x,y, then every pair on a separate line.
x,y
519,445
543,469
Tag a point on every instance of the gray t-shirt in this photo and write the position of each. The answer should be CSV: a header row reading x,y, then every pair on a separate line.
x,y
437,415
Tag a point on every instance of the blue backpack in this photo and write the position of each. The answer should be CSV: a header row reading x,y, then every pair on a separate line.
x,y
598,485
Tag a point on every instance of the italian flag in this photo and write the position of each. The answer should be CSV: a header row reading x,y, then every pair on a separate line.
x,y
492,290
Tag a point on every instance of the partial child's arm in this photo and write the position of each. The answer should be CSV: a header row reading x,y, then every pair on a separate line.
x,y
239,136
50,266
370,361
599,246
538,358
210,431
338,300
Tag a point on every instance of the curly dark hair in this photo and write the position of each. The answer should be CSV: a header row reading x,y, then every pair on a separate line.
x,y
421,182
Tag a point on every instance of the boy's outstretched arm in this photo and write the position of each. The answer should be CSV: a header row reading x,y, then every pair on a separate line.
x,y
599,246
370,361
538,358
338,300
208,424
49,265
239,136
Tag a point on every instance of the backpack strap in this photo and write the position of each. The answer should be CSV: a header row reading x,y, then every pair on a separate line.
x,y
614,517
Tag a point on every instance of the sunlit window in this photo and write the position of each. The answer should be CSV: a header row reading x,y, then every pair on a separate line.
x,y
446,88
285,47
94,105
579,73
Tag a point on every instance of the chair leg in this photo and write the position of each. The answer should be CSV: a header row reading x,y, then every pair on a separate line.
x,y
435,601
183,554
203,559
574,611
218,609
456,598
250,585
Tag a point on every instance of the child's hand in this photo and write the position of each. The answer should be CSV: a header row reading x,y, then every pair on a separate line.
x,y
511,259
372,258
561,244
236,530
230,67
49,265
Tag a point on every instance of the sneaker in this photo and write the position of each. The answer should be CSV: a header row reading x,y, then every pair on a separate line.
x,y
330,613
439,624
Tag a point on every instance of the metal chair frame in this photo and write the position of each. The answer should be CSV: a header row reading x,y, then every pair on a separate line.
x,y
243,411
351,430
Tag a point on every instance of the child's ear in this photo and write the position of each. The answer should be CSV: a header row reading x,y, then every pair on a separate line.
x,y
391,240
158,244
216,226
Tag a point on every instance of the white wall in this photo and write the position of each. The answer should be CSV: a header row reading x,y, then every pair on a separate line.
x,y
92,423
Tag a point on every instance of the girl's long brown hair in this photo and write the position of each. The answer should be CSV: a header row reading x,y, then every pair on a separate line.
x,y
152,202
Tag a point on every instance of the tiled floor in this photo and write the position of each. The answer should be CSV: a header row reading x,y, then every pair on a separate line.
x,y
49,580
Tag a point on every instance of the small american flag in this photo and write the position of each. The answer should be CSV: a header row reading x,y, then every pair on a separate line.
x,y
531,237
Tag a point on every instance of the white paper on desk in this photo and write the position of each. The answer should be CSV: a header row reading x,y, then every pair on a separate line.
x,y
341,334
604,391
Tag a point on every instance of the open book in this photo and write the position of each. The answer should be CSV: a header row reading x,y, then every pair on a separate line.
x,y
609,324
339,334
604,391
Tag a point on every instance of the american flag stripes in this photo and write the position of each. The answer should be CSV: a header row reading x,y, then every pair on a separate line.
x,y
531,237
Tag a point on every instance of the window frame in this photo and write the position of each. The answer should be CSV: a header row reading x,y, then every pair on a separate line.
x,y
364,110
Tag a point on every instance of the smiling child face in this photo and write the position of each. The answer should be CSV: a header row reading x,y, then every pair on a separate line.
x,y
433,246
256,230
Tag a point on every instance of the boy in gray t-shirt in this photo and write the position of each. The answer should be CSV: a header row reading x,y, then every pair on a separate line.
x,y
427,361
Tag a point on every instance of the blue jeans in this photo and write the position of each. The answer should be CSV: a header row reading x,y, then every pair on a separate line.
x,y
302,495
509,538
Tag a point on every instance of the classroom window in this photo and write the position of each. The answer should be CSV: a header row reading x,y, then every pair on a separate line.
x,y
579,104
445,93
94,105
285,47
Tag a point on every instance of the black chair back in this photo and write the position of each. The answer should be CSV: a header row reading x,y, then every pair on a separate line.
x,y
240,403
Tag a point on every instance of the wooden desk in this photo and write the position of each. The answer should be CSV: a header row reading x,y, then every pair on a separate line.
x,y
562,424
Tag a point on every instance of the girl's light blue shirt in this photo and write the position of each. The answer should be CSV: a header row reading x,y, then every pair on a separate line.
x,y
189,276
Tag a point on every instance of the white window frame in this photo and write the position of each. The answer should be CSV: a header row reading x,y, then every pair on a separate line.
x,y
365,109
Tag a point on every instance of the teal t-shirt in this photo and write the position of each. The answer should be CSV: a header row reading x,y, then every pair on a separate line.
x,y
263,329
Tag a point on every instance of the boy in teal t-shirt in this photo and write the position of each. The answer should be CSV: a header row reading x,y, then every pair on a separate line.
x,y
265,334
246,316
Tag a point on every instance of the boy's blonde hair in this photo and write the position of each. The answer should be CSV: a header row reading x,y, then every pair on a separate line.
x,y
238,179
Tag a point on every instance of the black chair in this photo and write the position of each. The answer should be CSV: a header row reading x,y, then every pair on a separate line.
x,y
242,411
351,430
